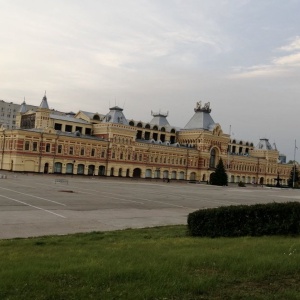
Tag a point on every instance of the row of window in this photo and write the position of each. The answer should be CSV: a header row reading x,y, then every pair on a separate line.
x,y
253,168
91,170
148,126
70,128
9,109
8,115
70,149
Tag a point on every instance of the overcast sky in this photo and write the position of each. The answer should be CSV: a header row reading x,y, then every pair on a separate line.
x,y
242,56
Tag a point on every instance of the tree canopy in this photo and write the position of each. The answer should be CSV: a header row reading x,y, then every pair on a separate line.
x,y
219,177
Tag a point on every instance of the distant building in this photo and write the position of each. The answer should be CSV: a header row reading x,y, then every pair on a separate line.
x,y
9,111
86,143
282,158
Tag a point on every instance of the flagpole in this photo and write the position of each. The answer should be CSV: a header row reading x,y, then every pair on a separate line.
x,y
294,174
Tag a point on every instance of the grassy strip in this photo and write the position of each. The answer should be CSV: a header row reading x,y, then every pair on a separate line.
x,y
156,263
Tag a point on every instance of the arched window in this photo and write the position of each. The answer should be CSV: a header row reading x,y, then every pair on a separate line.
x,y
57,167
155,127
163,129
147,126
212,161
112,171
96,117
131,123
91,170
69,168
101,171
139,124
80,169
148,173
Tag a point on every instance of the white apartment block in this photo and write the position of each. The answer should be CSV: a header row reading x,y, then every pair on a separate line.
x,y
8,112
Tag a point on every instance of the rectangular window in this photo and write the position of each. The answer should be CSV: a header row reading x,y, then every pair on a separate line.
x,y
57,126
27,145
68,128
82,151
88,131
48,147
103,154
34,146
59,149
71,150
79,129
93,152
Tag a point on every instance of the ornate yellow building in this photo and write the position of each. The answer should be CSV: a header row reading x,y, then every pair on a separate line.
x,y
47,141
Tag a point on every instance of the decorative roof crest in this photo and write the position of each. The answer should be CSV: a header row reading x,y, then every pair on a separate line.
x,y
205,108
159,114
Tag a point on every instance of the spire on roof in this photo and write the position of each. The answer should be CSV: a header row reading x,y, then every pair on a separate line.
x,y
44,103
23,107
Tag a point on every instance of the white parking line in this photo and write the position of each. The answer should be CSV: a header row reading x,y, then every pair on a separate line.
x,y
26,204
33,196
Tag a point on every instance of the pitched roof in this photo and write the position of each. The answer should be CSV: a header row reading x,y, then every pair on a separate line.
x,y
115,115
264,144
68,118
201,120
159,119
44,103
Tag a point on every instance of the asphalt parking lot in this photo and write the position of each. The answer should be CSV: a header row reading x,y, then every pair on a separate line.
x,y
36,205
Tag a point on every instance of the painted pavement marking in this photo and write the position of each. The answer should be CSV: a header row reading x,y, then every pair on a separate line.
x,y
33,206
33,196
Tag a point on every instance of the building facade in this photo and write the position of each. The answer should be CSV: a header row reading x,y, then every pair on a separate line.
x,y
47,141
9,111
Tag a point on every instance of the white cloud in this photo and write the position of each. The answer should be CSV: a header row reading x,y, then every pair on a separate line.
x,y
292,60
279,66
294,45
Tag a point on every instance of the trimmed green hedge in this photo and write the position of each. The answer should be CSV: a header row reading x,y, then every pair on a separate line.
x,y
246,220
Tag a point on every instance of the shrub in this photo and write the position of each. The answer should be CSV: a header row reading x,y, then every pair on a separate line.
x,y
244,220
241,184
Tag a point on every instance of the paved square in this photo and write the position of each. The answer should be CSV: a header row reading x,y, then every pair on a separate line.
x,y
35,205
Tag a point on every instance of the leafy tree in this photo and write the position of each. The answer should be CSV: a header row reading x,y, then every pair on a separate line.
x,y
292,162
219,177
291,179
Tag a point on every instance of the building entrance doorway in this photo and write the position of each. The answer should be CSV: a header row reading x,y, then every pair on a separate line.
x,y
46,168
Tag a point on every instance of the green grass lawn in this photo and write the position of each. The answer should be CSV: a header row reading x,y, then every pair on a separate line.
x,y
156,263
